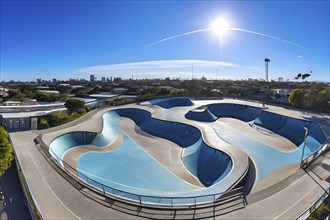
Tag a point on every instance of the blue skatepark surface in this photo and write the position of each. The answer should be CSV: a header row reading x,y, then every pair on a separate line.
x,y
129,168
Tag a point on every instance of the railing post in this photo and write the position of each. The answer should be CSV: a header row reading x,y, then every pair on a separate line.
x,y
195,208
213,206
140,199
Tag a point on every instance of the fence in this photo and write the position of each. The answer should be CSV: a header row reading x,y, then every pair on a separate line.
x,y
311,158
142,200
314,206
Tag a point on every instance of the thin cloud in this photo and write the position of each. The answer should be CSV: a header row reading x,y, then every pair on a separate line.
x,y
162,65
299,56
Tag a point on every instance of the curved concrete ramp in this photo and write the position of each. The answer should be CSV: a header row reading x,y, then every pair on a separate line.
x,y
293,129
288,127
172,102
201,115
209,165
64,142
72,155
218,165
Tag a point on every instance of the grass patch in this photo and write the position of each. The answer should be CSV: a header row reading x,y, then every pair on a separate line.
x,y
321,212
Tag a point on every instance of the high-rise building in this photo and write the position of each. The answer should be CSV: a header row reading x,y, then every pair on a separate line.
x,y
91,78
280,79
266,69
103,79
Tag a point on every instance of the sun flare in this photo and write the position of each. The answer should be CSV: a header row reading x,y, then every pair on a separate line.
x,y
220,26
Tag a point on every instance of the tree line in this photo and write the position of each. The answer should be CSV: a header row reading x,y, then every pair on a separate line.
x,y
314,98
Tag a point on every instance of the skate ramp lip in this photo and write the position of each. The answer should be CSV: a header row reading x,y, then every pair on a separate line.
x,y
201,114
172,102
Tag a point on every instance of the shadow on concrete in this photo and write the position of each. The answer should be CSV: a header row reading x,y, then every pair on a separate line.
x,y
325,166
16,206
328,179
251,178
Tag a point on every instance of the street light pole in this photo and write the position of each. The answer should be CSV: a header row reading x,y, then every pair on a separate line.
x,y
302,155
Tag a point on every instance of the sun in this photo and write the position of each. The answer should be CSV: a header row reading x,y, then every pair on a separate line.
x,y
220,26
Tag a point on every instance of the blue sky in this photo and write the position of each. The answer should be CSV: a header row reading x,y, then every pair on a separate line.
x,y
72,39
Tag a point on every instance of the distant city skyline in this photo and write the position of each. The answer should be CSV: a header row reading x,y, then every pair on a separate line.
x,y
74,39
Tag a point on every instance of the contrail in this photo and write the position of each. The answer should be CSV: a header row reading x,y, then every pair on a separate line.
x,y
179,35
233,29
266,35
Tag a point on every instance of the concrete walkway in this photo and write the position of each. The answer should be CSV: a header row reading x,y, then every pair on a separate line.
x,y
289,202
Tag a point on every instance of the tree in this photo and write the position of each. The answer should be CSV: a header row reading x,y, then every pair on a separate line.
x,y
309,101
74,105
303,76
63,89
6,155
43,123
57,117
296,98
298,76
16,95
322,99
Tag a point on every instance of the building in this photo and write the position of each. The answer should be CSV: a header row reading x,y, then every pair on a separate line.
x,y
120,91
103,79
12,103
3,94
281,92
280,79
92,78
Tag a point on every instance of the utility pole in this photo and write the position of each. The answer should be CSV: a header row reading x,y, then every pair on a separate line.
x,y
132,74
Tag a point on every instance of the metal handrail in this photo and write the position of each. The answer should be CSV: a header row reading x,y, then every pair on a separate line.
x,y
141,199
311,158
314,205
